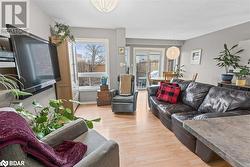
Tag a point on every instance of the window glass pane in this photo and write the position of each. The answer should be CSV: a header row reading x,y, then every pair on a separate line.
x,y
90,62
154,65
141,71
90,57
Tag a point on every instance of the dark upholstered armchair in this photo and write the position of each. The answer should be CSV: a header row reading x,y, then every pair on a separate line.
x,y
125,98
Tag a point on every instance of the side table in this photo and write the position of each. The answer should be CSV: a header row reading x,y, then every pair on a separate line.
x,y
104,97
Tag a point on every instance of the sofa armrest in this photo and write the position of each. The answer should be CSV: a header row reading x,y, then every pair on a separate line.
x,y
152,90
69,131
114,92
135,99
12,152
225,114
106,155
136,94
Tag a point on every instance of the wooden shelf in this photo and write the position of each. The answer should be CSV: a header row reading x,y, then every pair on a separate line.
x,y
234,86
68,87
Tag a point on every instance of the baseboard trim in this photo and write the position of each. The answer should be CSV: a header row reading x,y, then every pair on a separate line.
x,y
89,102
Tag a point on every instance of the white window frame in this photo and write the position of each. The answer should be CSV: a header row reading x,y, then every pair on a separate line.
x,y
95,74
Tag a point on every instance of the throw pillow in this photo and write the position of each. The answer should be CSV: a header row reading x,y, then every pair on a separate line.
x,y
160,87
125,87
169,93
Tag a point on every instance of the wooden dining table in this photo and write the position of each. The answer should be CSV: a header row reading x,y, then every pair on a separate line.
x,y
159,79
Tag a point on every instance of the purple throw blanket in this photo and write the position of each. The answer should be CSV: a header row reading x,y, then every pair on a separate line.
x,y
15,130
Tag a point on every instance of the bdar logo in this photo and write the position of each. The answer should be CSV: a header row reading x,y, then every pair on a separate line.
x,y
4,163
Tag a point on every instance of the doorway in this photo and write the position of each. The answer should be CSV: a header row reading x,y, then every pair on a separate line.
x,y
147,61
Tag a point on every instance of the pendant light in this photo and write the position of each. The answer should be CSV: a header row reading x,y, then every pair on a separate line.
x,y
173,53
105,6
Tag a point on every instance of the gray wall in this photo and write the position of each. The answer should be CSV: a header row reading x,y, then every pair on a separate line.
x,y
116,38
151,43
211,44
39,25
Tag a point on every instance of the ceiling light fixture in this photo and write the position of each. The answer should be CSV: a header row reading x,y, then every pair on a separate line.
x,y
105,6
173,53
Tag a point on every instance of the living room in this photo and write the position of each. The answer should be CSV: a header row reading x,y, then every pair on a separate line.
x,y
108,83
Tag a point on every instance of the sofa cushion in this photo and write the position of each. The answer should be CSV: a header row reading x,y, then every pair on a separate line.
x,y
223,99
195,94
195,115
182,83
167,109
92,139
180,117
216,114
123,99
155,102
126,84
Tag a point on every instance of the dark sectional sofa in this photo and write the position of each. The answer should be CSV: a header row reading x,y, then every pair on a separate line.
x,y
198,101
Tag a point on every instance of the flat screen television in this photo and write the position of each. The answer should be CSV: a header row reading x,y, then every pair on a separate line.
x,y
36,61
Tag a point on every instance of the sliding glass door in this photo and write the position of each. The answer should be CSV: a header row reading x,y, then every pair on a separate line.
x,y
141,70
147,62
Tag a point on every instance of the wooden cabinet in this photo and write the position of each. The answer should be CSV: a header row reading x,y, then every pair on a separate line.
x,y
68,87
104,96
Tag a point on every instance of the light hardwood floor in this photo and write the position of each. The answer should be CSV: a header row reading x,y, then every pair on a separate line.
x,y
143,140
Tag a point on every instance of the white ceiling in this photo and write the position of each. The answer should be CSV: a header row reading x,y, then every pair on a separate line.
x,y
156,19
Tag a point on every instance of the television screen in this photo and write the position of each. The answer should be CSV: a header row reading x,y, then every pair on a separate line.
x,y
36,60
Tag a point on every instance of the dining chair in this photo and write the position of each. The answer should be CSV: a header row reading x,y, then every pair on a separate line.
x,y
150,82
195,77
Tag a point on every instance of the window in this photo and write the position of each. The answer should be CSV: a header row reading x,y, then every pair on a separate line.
x,y
149,62
91,62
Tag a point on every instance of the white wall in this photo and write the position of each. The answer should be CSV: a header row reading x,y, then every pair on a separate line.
x,y
39,21
211,44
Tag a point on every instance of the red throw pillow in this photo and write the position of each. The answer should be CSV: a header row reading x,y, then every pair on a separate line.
x,y
159,89
169,93
161,85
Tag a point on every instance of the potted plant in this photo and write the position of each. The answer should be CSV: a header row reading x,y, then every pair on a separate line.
x,y
62,32
104,79
241,75
179,70
46,119
228,58
9,89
